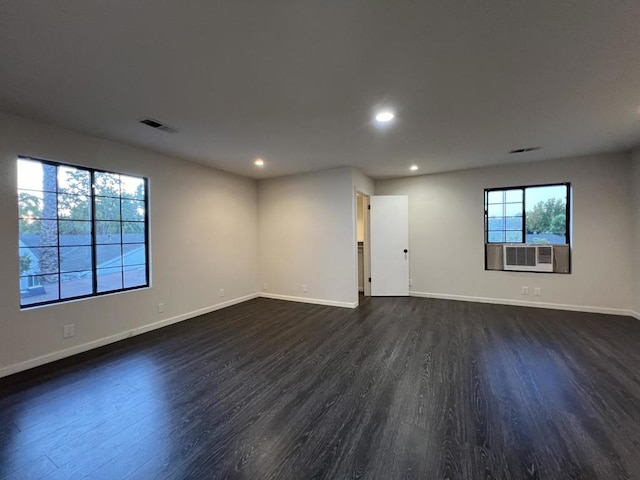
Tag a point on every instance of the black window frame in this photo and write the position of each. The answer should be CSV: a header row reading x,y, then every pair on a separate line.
x,y
94,243
567,185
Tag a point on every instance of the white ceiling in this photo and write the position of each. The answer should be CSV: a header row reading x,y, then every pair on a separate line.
x,y
296,81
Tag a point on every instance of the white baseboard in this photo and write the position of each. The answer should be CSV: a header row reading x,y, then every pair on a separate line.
x,y
67,352
317,301
635,315
522,303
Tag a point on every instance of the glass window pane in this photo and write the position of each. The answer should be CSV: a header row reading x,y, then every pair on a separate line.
x,y
535,195
32,172
109,279
546,212
108,256
496,223
38,289
513,196
496,196
74,181
540,238
496,210
49,202
38,233
514,236
74,207
75,259
135,276
133,210
513,209
107,208
38,260
108,232
133,232
513,223
496,236
76,284
75,232
106,184
134,254
132,187
30,204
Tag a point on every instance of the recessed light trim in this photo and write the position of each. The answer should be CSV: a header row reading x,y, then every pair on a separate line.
x,y
385,116
258,162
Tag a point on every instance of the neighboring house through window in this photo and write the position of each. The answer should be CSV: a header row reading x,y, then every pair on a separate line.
x,y
82,232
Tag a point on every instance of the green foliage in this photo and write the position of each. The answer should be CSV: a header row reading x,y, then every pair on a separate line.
x,y
558,224
547,217
29,208
109,207
25,264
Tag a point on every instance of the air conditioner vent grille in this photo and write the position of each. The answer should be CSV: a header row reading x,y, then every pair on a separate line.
x,y
545,254
535,258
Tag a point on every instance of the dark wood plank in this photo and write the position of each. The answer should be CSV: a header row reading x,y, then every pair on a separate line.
x,y
397,388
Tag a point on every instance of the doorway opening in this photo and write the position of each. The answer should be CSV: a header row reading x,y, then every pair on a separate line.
x,y
363,244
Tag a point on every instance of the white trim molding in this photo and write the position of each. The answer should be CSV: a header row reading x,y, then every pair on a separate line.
x,y
317,301
67,352
635,315
521,303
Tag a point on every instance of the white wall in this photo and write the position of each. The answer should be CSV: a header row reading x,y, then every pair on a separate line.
x,y
447,234
307,236
362,183
203,238
636,232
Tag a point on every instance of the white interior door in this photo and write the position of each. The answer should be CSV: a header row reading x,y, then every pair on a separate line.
x,y
389,226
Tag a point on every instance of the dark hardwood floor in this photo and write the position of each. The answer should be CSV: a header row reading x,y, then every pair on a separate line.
x,y
399,388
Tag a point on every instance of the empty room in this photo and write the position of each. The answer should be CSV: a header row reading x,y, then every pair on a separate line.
x,y
329,240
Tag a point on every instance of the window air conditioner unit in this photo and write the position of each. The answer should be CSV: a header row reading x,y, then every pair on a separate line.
x,y
528,258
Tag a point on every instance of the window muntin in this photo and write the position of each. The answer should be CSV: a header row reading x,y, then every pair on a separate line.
x,y
82,232
529,214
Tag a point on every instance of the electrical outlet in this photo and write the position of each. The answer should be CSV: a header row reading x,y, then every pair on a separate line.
x,y
411,282
537,291
69,331
160,307
304,287
525,290
222,292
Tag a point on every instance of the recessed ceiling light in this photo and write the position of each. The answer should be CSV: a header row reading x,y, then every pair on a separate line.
x,y
413,168
385,116
259,162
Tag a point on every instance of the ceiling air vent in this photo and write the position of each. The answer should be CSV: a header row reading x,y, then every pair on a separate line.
x,y
150,122
526,149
